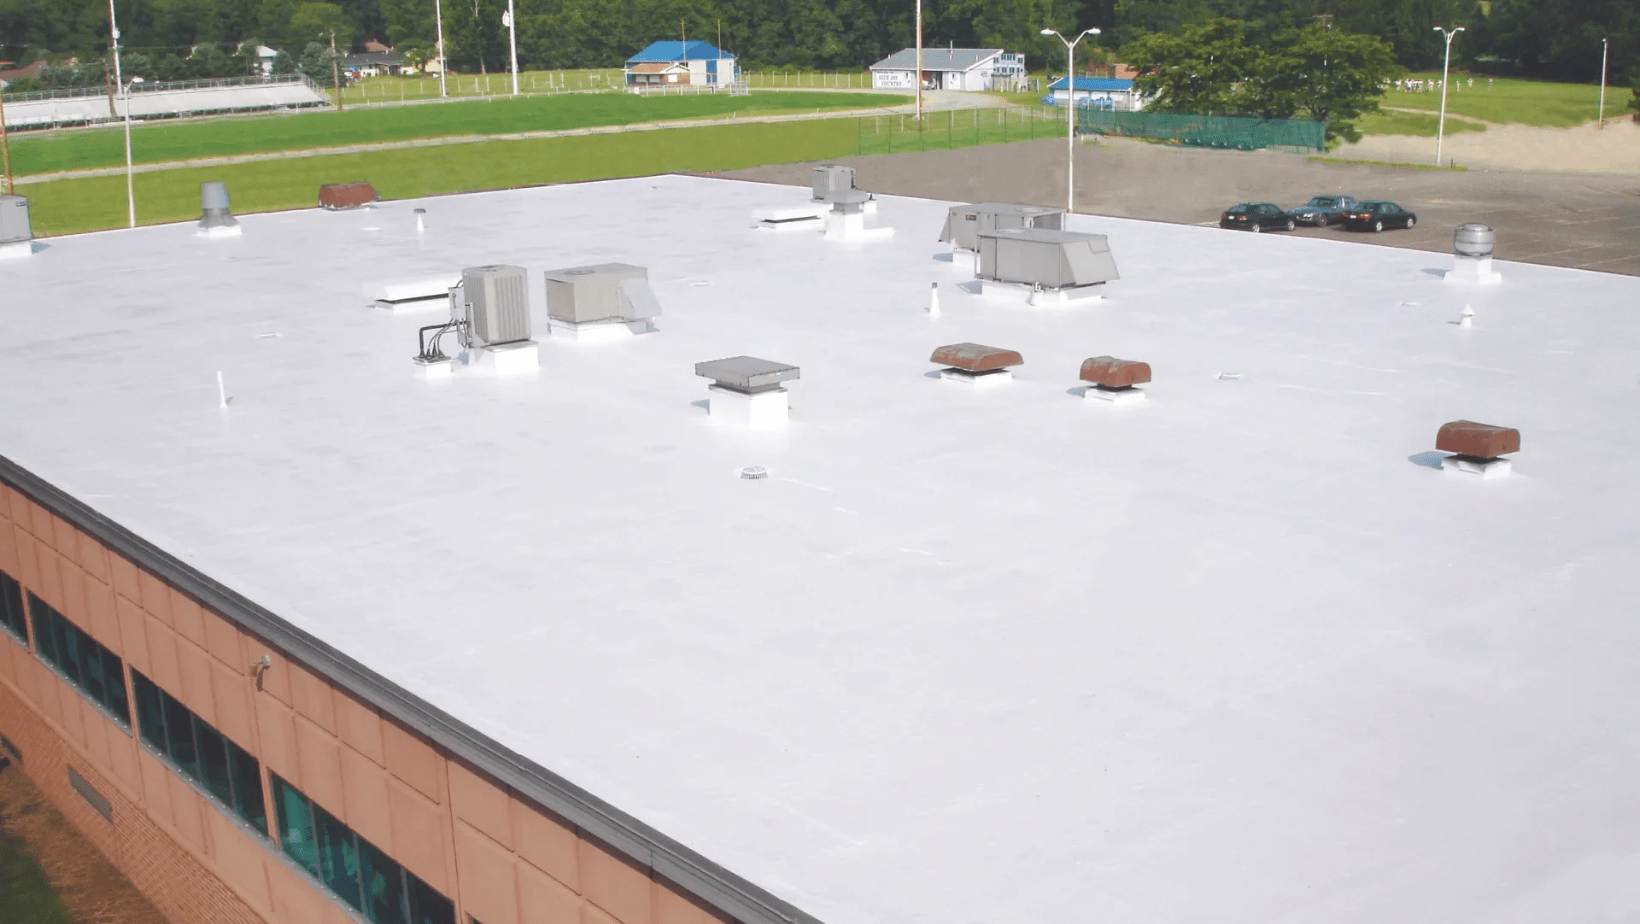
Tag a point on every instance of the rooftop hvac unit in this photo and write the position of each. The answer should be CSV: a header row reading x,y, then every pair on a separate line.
x,y
1046,259
495,304
831,178
964,222
14,225
605,292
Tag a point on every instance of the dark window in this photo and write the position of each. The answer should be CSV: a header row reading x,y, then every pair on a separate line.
x,y
11,608
200,752
98,672
351,867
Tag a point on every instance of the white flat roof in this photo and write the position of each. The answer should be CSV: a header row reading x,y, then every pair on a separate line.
x,y
968,654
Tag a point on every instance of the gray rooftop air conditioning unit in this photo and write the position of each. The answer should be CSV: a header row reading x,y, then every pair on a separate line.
x,y
964,222
1045,259
213,204
496,302
606,292
14,226
831,178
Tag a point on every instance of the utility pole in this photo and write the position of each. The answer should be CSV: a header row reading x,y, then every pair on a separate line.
x,y
438,14
510,18
1604,47
335,72
114,45
5,146
919,60
1324,20
1440,128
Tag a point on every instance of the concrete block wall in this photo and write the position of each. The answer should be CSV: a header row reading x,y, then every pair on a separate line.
x,y
500,858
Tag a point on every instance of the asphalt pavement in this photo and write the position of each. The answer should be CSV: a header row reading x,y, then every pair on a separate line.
x,y
1583,221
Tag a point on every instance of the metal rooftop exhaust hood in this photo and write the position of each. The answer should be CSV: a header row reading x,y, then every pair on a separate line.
x,y
1472,244
1477,448
338,196
215,220
976,363
831,178
1114,380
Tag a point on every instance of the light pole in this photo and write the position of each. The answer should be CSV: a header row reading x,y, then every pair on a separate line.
x,y
1604,47
438,19
1070,112
919,62
1440,129
510,18
130,188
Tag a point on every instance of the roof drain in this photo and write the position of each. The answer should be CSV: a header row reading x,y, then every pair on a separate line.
x,y
215,220
1472,244
600,302
747,390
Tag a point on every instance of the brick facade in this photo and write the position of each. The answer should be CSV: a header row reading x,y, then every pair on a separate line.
x,y
500,858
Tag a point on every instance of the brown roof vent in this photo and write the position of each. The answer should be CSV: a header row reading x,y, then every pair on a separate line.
x,y
975,363
339,196
1114,379
1476,448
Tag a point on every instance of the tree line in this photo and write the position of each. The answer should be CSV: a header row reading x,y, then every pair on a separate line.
x,y
1557,39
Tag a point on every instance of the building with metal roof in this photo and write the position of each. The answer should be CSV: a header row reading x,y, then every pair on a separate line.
x,y
678,63
1101,92
949,69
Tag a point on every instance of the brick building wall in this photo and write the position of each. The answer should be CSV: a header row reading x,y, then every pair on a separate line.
x,y
500,858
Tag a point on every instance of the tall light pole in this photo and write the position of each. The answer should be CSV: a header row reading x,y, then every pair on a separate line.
x,y
438,19
919,60
1070,112
1440,128
510,18
1604,47
130,187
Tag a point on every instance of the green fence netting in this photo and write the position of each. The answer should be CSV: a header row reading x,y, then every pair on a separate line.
x,y
957,128
1237,132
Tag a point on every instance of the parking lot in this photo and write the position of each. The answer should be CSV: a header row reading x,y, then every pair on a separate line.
x,y
1583,221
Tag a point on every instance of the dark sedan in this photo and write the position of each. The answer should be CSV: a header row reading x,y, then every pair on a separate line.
x,y
1376,216
1256,216
1324,210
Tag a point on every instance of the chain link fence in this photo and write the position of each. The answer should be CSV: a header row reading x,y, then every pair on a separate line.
x,y
956,128
1234,132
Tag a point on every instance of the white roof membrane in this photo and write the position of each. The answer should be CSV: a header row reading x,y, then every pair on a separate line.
x,y
1237,653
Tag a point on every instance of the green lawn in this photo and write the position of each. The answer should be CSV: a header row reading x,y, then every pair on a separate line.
x,y
164,142
69,206
25,895
1387,122
372,90
1505,99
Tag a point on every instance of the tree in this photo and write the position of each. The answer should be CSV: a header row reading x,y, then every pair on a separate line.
x,y
1328,76
315,63
1202,70
311,20
284,64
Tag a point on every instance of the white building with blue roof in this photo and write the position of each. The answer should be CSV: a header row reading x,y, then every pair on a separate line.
x,y
678,63
1097,92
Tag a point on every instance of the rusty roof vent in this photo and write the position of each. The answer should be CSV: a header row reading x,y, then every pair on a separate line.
x,y
1114,380
1476,448
338,196
976,363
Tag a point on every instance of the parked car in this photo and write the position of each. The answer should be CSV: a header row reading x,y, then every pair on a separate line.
x,y
1324,210
1256,216
1376,216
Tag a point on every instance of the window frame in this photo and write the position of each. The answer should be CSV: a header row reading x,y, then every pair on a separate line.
x,y
12,608
240,768
66,650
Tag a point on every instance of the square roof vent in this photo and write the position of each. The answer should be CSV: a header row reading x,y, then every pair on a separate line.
x,y
831,178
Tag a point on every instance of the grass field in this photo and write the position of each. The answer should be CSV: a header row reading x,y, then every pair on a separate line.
x,y
166,142
960,128
25,895
1504,99
374,90
69,206
1390,122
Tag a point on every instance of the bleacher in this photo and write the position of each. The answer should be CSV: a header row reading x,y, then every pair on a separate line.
x,y
163,101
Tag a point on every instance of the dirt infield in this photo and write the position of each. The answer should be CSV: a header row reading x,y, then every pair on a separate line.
x,y
1614,149
1583,221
